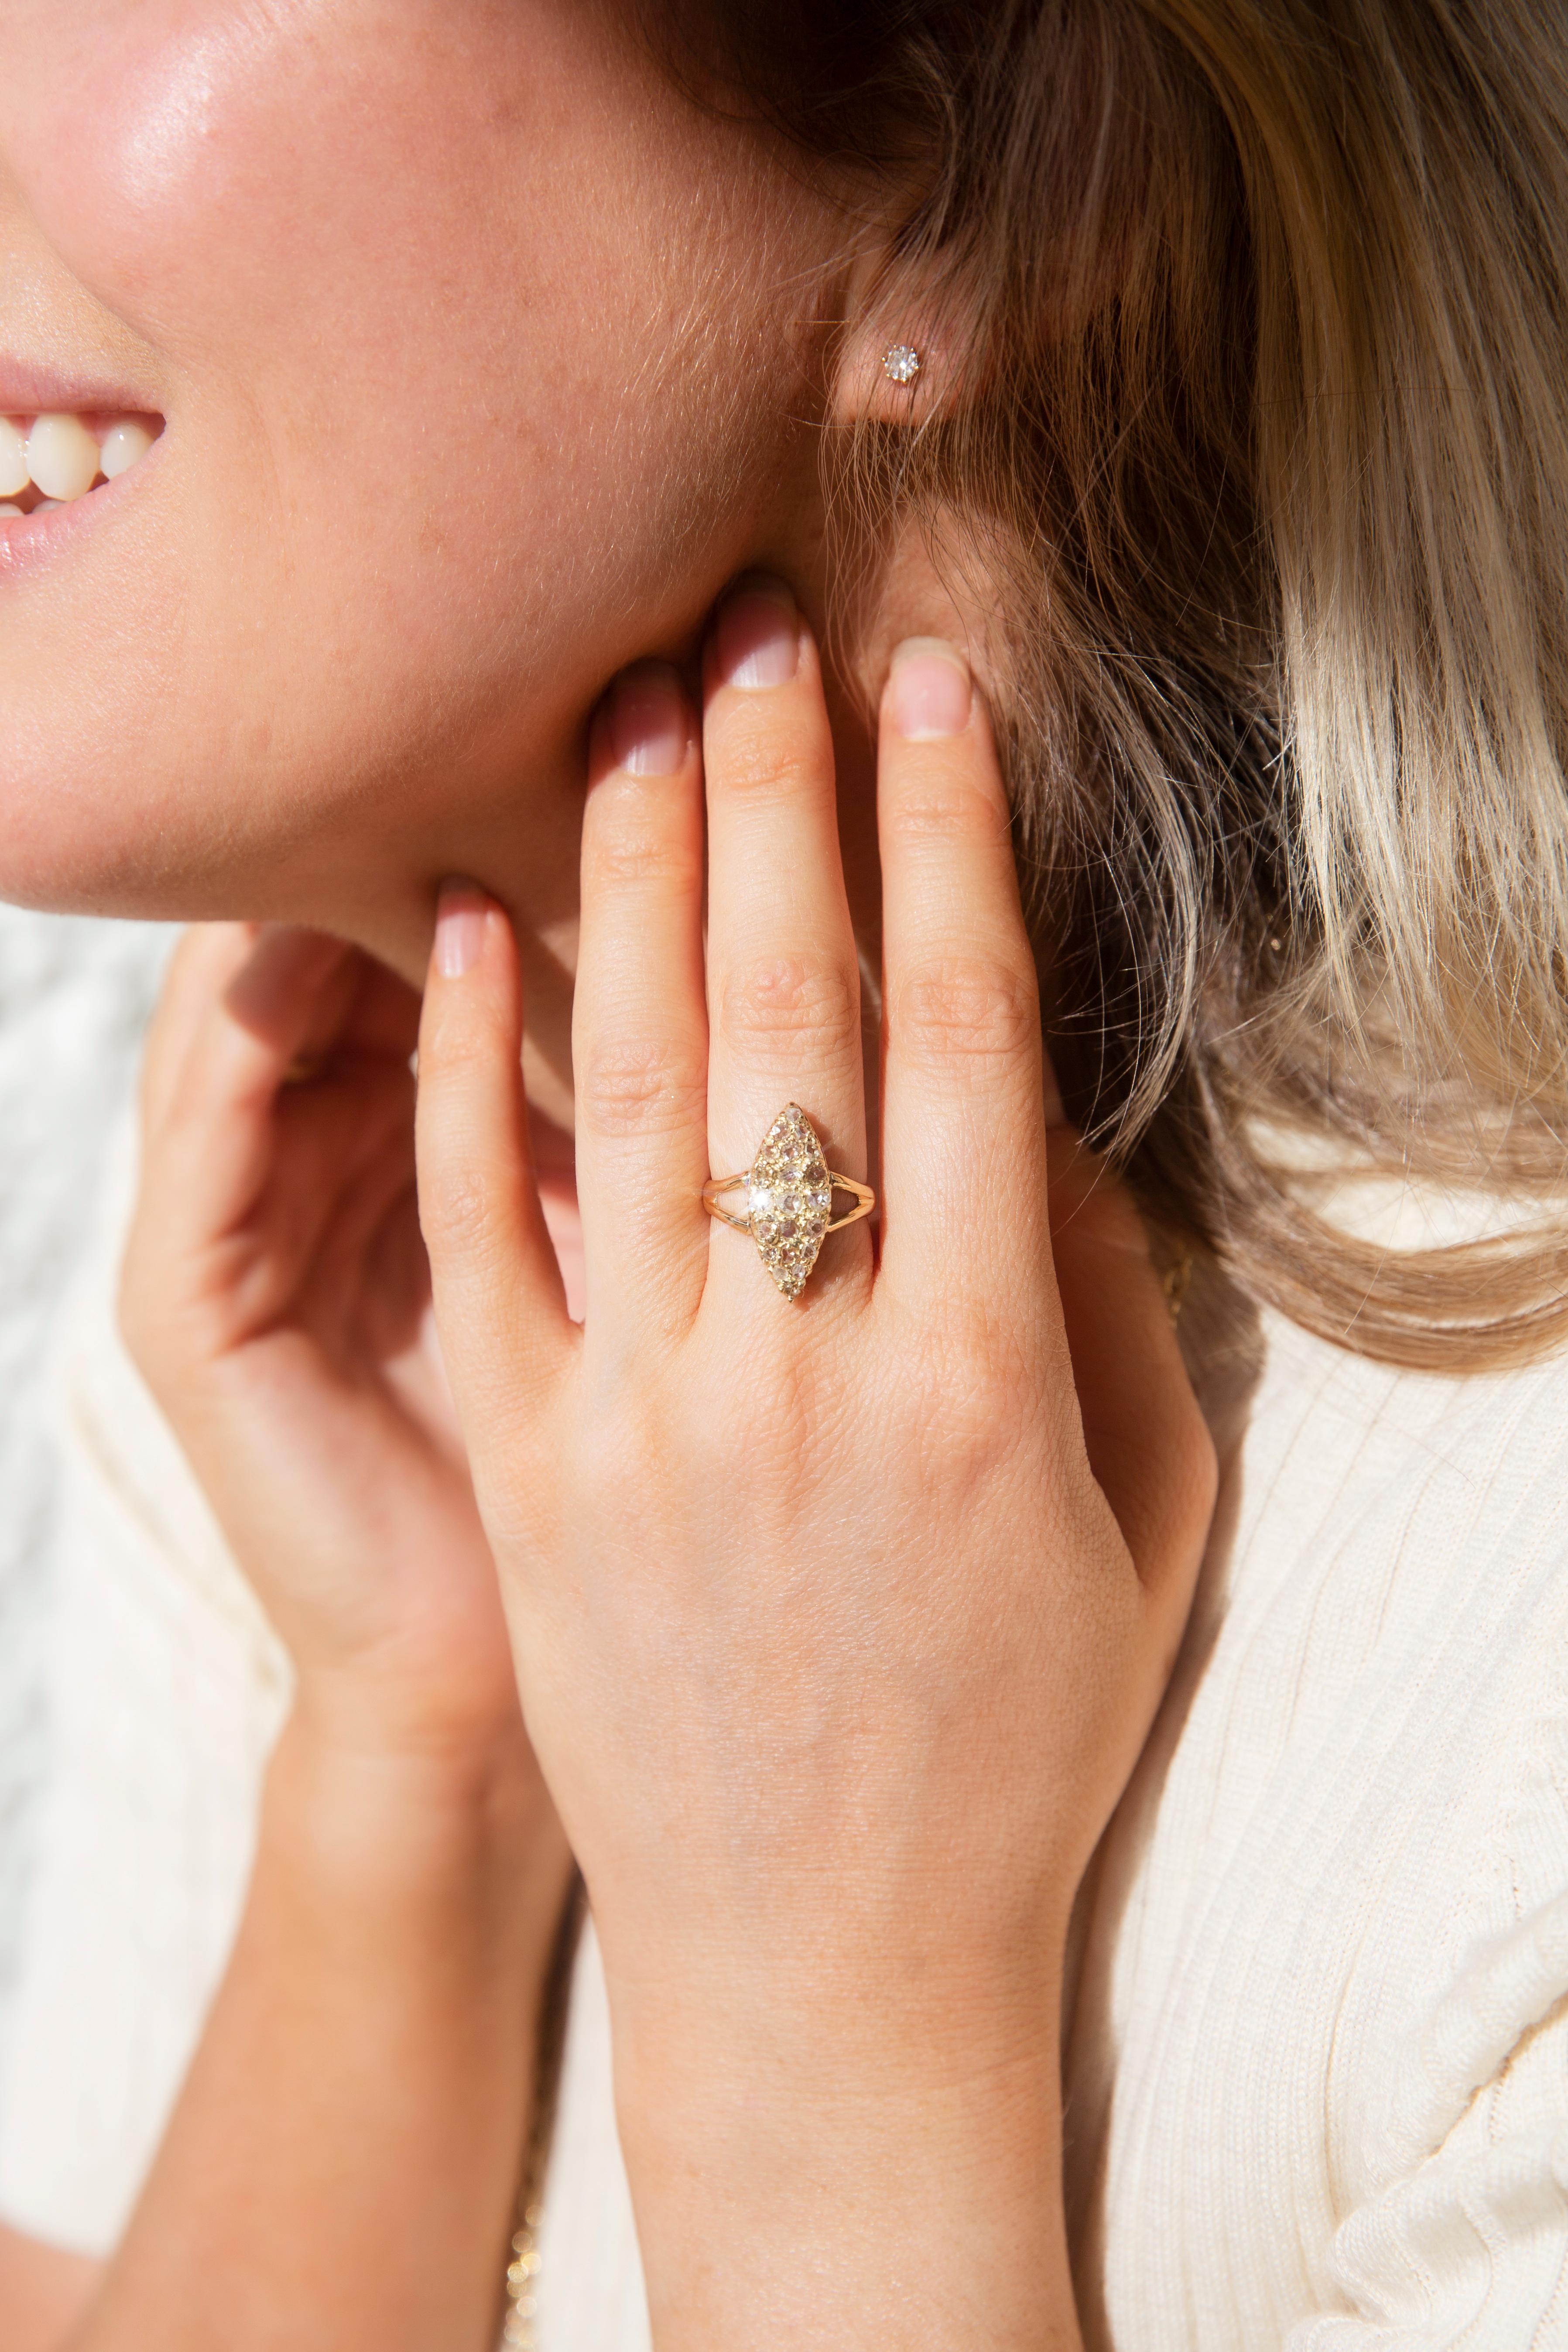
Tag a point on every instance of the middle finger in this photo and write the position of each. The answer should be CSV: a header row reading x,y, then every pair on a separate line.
x,y
784,984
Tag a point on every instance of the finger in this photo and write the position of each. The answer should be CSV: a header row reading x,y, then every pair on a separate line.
x,y
500,1304
205,961
1148,1444
784,982
212,1142
963,1138
324,1139
290,999
382,1017
639,1025
370,1250
243,1171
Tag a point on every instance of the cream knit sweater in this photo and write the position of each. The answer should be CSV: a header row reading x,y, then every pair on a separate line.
x,y
1318,2063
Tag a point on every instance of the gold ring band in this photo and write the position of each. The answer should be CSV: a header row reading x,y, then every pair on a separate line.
x,y
790,1190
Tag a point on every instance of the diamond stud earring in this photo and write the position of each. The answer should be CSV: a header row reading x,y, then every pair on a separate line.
x,y
901,364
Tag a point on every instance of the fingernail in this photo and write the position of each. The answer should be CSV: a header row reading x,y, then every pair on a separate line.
x,y
649,732
459,930
929,695
759,636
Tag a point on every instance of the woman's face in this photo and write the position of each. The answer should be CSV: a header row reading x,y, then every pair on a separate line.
x,y
483,359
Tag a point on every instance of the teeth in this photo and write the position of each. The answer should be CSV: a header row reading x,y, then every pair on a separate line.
x,y
10,510
62,456
13,474
123,444
58,455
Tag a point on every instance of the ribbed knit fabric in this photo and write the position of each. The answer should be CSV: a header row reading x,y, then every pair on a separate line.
x,y
1318,2064
1318,2078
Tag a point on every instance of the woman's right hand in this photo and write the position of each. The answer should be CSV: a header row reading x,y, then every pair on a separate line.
x,y
841,1618
274,1295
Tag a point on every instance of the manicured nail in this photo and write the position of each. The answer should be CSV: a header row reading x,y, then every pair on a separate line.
x,y
459,930
929,696
649,728
759,636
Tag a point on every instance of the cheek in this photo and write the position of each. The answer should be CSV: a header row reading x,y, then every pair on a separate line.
x,y
210,171
356,236
119,133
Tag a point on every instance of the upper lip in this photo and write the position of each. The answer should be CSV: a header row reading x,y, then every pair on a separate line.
x,y
26,390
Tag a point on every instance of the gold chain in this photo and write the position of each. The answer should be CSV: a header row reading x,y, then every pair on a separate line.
x,y
520,2333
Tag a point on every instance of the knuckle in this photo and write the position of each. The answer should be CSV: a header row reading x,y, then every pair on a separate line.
x,y
631,1088
163,1332
632,853
791,1007
966,1013
459,1045
970,1378
937,809
459,1213
759,759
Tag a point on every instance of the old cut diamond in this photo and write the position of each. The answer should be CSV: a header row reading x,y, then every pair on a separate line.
x,y
790,1200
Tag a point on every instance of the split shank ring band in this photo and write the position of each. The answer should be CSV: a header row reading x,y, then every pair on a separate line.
x,y
790,1190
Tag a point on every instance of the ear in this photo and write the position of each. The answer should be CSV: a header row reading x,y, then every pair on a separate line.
x,y
903,351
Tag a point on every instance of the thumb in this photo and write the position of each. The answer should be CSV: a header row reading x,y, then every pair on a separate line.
x,y
501,1309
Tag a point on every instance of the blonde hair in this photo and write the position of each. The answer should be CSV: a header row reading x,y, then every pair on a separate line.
x,y
1257,436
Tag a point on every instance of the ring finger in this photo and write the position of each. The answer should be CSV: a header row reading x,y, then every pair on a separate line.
x,y
784,989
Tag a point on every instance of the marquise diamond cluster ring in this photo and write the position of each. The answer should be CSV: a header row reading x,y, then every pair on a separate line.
x,y
789,1211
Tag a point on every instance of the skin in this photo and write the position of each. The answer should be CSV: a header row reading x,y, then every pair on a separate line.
x,y
638,405
347,634
890,1582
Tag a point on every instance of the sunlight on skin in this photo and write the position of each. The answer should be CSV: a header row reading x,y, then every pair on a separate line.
x,y
44,2290
305,614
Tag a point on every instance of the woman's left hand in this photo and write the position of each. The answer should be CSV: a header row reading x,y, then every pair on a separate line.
x,y
340,2167
276,1294
840,1623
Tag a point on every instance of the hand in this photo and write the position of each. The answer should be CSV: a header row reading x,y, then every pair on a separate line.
x,y
840,1623
276,1293
340,2169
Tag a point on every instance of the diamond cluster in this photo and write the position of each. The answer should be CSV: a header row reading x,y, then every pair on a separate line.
x,y
790,1200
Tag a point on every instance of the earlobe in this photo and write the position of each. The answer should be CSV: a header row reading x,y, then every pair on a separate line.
x,y
898,355
892,375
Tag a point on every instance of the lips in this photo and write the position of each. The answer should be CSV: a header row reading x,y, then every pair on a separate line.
x,y
63,439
